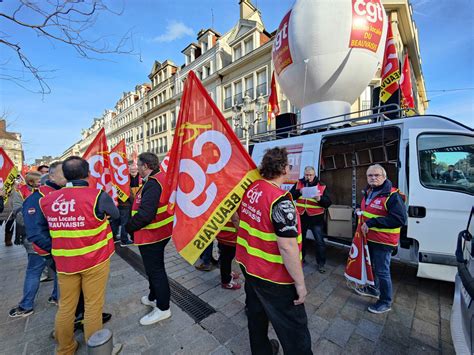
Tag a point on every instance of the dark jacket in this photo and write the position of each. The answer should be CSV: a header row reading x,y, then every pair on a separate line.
x,y
324,201
1,204
37,229
151,193
397,212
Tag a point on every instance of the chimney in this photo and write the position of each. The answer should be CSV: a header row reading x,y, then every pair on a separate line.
x,y
3,126
246,9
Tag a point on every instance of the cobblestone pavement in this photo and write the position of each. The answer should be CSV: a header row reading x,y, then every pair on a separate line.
x,y
338,319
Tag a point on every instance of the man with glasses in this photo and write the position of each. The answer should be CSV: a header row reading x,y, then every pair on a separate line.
x,y
311,209
383,214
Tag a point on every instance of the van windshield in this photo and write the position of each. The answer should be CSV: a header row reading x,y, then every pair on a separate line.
x,y
446,162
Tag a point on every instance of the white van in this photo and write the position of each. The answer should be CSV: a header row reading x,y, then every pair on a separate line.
x,y
419,154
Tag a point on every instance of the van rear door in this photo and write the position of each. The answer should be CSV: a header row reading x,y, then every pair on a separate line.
x,y
441,189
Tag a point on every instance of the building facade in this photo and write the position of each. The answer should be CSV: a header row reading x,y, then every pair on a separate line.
x,y
236,69
11,143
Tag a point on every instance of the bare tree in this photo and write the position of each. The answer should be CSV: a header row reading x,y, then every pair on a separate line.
x,y
68,22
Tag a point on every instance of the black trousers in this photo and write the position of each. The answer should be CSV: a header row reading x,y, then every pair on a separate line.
x,y
225,259
267,301
153,256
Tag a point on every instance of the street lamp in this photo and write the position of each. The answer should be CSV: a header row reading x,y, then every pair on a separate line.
x,y
243,120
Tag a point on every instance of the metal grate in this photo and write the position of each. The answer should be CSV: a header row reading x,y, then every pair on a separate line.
x,y
196,308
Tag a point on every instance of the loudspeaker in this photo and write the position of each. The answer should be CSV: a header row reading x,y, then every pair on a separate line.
x,y
285,123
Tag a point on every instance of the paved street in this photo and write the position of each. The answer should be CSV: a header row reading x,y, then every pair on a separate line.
x,y
338,320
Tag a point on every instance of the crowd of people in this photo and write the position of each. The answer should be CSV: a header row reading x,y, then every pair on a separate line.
x,y
70,227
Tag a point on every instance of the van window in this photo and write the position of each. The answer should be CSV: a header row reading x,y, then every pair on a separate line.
x,y
446,162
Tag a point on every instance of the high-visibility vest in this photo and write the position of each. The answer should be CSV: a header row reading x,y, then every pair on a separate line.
x,y
309,205
228,234
43,190
378,208
161,226
80,239
257,248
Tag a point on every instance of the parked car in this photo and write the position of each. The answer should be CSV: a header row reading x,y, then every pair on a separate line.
x,y
462,314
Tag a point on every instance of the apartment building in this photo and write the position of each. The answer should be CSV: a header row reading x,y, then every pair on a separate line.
x,y
236,69
11,143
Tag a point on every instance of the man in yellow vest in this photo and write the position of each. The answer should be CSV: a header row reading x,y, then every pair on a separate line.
x,y
383,214
151,227
269,253
312,198
82,244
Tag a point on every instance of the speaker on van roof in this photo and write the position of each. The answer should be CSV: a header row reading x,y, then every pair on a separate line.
x,y
285,123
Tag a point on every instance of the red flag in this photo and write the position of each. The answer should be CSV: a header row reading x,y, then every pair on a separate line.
x,y
273,107
358,267
8,174
120,173
208,172
98,157
406,87
390,68
24,169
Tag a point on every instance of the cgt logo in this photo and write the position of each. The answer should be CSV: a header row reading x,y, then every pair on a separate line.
x,y
62,206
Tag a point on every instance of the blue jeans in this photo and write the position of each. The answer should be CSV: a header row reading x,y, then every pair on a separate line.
x,y
380,256
36,264
206,255
317,230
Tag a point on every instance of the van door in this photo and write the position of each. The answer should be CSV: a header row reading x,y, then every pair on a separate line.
x,y
441,189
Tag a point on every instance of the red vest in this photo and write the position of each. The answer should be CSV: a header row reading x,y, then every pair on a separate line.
x,y
309,205
257,248
378,208
228,234
162,225
80,240
43,190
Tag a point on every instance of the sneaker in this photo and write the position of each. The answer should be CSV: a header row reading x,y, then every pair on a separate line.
x,y
51,300
126,243
203,267
231,285
146,301
234,275
155,316
321,269
368,291
275,346
379,308
20,312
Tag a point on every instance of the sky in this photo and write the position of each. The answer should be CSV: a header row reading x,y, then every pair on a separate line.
x,y
82,89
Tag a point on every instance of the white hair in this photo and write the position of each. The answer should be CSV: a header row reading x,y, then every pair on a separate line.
x,y
379,167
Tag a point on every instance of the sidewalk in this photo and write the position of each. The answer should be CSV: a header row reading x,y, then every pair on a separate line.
x,y
338,320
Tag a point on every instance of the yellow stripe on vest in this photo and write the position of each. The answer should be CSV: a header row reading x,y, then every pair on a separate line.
x,y
268,237
386,230
79,233
158,211
82,251
229,229
159,223
258,253
370,215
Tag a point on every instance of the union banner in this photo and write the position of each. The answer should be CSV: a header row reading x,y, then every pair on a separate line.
x,y
8,174
358,267
98,156
120,173
367,24
208,172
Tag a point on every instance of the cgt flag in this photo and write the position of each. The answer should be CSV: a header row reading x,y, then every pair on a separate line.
x,y
8,174
98,157
406,88
358,267
208,172
120,173
390,68
273,107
